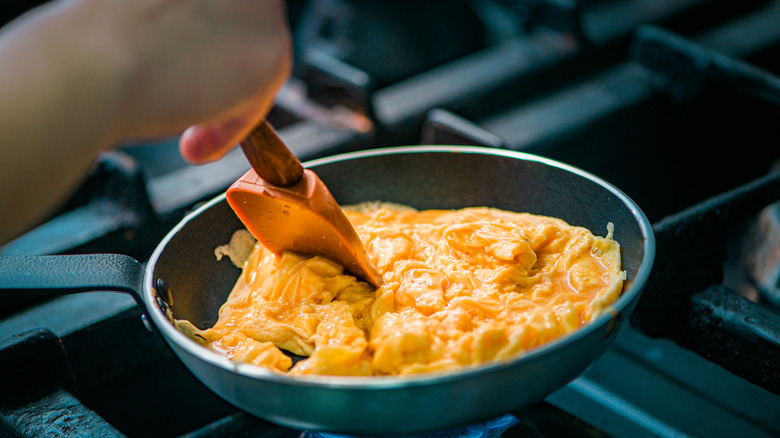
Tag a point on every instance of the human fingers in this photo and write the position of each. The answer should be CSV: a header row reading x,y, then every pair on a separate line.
x,y
210,141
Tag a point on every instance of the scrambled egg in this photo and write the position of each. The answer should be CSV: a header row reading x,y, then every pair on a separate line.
x,y
461,288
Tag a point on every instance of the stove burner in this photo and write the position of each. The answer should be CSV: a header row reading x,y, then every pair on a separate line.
x,y
488,429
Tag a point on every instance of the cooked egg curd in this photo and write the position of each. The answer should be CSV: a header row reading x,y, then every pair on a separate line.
x,y
461,288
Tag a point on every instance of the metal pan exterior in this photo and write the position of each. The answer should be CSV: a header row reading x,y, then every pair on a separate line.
x,y
423,177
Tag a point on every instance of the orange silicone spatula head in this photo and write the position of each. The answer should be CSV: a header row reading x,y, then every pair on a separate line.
x,y
288,208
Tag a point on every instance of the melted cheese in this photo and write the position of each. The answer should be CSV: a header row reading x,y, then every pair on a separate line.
x,y
461,288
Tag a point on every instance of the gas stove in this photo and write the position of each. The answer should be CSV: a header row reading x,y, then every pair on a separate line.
x,y
674,102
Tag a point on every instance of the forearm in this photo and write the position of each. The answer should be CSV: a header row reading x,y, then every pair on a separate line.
x,y
57,97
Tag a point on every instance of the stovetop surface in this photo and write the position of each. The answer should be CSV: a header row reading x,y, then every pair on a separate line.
x,y
647,95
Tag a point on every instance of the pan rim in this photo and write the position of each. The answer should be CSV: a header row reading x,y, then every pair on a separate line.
x,y
628,295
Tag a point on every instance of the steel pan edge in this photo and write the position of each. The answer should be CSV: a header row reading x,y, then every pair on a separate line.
x,y
386,405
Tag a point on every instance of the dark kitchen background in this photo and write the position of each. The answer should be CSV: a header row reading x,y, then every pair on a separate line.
x,y
676,102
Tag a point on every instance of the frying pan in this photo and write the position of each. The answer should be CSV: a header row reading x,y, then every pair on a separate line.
x,y
183,280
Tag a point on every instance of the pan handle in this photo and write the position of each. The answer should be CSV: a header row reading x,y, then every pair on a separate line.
x,y
64,274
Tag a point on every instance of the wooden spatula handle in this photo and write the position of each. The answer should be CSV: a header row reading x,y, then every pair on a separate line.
x,y
270,158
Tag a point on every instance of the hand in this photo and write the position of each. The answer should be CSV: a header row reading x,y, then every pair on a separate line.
x,y
214,64
83,75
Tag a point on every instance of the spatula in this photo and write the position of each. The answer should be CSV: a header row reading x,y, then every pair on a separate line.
x,y
288,208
